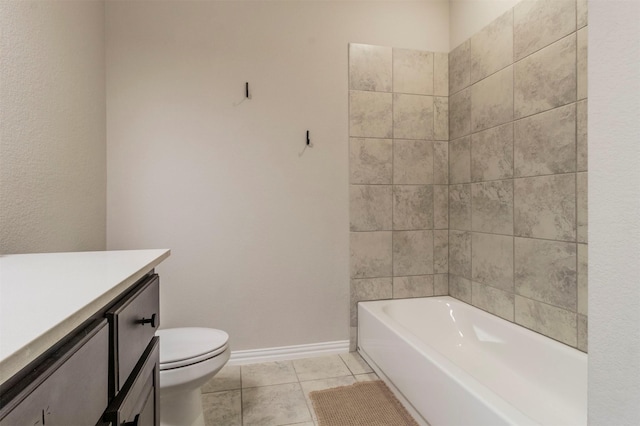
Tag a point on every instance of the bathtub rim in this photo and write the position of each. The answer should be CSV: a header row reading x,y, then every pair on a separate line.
x,y
505,410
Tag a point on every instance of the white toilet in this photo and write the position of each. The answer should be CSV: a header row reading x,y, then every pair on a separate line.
x,y
189,357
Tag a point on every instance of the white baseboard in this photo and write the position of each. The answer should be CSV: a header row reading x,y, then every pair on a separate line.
x,y
284,353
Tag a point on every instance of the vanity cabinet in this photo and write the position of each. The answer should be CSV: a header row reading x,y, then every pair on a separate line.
x,y
72,390
106,372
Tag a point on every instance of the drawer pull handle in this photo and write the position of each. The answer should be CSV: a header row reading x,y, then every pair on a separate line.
x,y
135,420
151,321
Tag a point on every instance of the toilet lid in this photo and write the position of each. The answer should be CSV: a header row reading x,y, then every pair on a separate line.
x,y
185,345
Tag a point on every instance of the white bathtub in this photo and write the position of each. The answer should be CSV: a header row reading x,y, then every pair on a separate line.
x,y
458,365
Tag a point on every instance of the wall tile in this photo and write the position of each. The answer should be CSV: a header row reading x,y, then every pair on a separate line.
x,y
414,286
546,271
370,161
545,207
412,116
582,63
546,143
368,289
441,74
583,333
581,135
412,162
353,339
441,284
581,10
412,253
491,48
492,207
370,114
583,207
492,260
370,67
460,288
460,207
493,300
492,154
538,23
583,279
370,207
460,160
441,251
441,163
459,67
492,100
370,254
549,320
412,71
546,79
441,118
412,207
460,253
440,206
460,114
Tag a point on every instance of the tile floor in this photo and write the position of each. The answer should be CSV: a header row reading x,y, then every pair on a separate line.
x,y
277,393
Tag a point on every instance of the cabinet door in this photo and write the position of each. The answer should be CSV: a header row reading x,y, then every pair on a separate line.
x,y
74,390
133,323
138,401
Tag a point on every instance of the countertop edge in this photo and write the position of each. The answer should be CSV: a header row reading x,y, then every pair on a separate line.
x,y
15,362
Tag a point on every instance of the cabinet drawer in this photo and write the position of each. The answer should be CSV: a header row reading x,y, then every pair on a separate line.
x,y
137,402
73,390
133,323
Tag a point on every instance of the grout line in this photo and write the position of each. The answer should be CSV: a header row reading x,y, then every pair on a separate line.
x,y
515,236
393,159
513,167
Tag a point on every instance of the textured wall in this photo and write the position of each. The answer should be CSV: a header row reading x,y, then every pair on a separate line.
x,y
398,127
52,141
467,17
518,169
614,212
257,231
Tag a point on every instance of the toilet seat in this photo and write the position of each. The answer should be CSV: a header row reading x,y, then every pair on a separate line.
x,y
180,347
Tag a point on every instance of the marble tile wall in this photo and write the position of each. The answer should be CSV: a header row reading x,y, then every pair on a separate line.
x,y
399,174
518,169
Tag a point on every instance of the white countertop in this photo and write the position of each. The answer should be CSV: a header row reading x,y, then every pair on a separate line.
x,y
45,296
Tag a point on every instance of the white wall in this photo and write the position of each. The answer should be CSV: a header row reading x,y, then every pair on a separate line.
x,y
614,212
52,137
259,234
467,17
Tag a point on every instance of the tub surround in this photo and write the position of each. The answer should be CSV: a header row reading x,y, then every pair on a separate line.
x,y
492,208
398,159
46,296
518,169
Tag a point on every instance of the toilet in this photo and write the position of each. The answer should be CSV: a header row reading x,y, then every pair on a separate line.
x,y
189,357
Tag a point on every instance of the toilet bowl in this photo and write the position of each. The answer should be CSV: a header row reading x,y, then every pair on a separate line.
x,y
189,357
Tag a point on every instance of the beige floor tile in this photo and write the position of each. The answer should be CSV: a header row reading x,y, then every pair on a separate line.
x,y
227,379
315,385
355,363
274,405
320,368
268,373
222,408
366,377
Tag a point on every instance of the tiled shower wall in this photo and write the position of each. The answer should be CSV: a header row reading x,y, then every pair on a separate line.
x,y
518,169
398,160
509,190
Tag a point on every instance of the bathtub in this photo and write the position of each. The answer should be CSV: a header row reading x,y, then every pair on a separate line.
x,y
458,365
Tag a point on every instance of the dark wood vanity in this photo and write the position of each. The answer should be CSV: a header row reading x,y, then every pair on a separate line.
x,y
104,372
